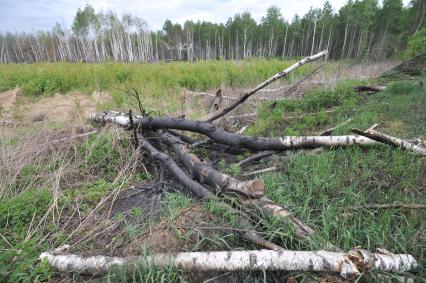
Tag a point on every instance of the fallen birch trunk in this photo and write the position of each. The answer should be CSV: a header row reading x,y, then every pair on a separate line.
x,y
347,265
268,82
231,139
387,139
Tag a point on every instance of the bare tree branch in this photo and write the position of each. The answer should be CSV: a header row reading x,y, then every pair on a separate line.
x,y
268,82
387,139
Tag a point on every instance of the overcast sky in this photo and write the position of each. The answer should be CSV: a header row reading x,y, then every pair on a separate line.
x,y
34,15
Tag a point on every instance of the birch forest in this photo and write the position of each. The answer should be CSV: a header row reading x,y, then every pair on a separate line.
x,y
360,30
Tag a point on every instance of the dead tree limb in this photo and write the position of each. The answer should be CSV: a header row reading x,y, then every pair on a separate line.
x,y
269,169
135,135
393,141
233,140
389,205
200,191
349,264
268,82
251,192
74,137
256,157
207,175
194,93
331,130
369,88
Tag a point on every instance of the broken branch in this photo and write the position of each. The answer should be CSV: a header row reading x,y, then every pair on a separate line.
x,y
390,140
268,82
251,192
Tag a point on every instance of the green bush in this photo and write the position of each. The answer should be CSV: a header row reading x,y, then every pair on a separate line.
x,y
49,78
19,258
416,43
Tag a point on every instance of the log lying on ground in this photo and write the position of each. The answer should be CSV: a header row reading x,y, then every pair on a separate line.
x,y
369,88
347,265
207,175
272,79
387,139
219,135
252,192
200,191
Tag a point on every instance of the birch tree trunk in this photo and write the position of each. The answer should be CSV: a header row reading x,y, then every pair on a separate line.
x,y
347,265
387,139
230,139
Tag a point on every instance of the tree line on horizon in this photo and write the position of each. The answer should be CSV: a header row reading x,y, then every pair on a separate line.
x,y
360,30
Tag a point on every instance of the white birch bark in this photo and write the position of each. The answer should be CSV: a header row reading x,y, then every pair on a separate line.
x,y
387,139
347,265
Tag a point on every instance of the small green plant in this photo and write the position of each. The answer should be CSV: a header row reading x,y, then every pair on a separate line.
x,y
143,271
416,43
18,259
136,212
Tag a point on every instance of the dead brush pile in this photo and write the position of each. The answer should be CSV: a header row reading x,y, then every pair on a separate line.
x,y
166,141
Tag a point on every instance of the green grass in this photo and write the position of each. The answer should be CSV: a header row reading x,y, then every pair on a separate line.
x,y
155,83
18,217
320,188
49,78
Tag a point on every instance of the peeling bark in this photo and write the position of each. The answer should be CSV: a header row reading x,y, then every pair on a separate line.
x,y
347,265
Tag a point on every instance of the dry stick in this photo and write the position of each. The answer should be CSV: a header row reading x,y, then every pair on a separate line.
x,y
266,83
233,140
373,88
202,192
241,116
309,114
349,264
293,86
273,168
331,130
74,137
194,93
256,157
387,139
135,134
390,205
254,188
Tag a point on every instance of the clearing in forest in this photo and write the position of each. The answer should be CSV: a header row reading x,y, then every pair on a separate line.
x,y
161,187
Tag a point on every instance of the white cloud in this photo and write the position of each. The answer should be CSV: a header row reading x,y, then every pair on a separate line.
x,y
32,15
